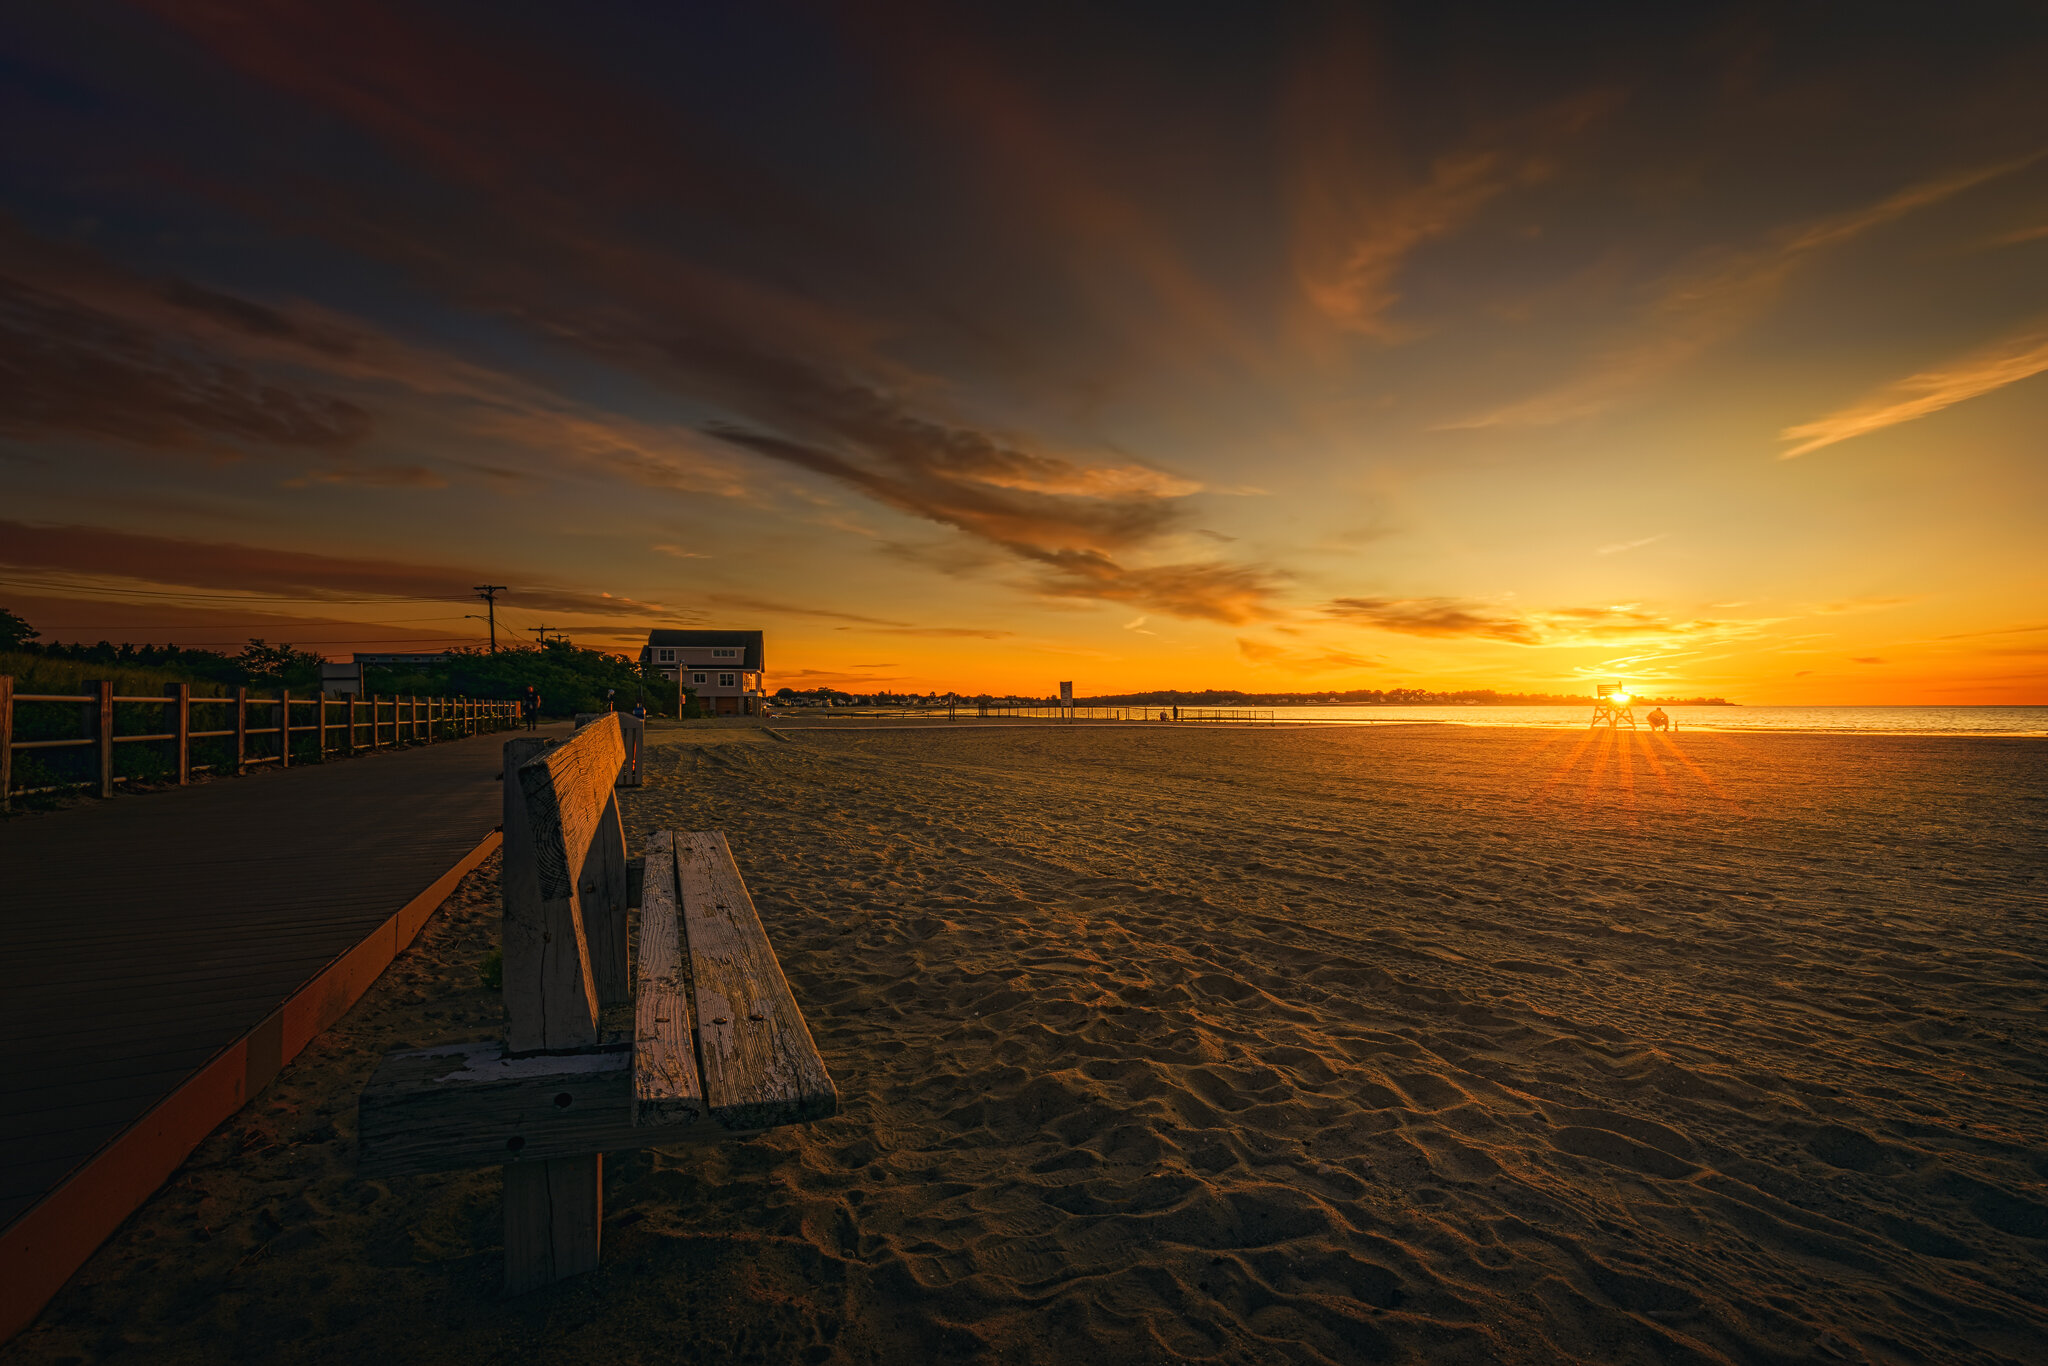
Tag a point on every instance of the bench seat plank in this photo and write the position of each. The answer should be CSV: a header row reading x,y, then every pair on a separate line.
x,y
759,1064
665,1086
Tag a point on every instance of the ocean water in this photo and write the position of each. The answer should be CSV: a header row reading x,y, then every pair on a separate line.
x,y
1863,720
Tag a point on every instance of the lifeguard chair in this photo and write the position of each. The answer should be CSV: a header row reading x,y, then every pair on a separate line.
x,y
1611,704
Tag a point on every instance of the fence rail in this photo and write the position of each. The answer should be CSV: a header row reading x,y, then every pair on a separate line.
x,y
365,723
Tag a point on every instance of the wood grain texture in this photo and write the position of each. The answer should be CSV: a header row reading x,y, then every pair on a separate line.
x,y
580,877
554,1220
666,1090
756,1057
602,896
550,1000
199,911
469,1105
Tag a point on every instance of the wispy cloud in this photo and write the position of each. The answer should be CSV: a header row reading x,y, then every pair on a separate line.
x,y
2010,359
1621,546
1433,617
76,370
2020,235
1359,210
230,567
1614,623
676,552
1868,603
775,607
1717,297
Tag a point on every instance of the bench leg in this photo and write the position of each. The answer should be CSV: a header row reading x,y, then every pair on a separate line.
x,y
553,1213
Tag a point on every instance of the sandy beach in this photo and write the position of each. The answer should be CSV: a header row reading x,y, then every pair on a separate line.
x,y
1175,1043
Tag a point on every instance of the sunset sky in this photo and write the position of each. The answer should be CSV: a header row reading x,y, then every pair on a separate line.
x,y
979,347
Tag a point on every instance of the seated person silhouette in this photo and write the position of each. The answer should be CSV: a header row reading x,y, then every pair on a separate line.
x,y
1658,720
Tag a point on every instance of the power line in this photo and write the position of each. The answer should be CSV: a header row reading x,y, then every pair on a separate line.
x,y
310,640
79,590
489,593
271,624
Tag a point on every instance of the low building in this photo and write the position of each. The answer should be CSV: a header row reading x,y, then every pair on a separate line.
x,y
725,669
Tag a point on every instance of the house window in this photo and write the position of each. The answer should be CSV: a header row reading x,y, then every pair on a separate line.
x,y
725,654
725,680
666,656
696,678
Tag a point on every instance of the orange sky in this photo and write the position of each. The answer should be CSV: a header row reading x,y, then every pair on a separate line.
x,y
1266,352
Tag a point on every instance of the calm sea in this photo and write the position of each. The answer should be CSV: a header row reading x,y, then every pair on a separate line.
x,y
1889,720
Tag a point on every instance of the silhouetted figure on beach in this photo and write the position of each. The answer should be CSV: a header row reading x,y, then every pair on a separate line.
x,y
1658,720
530,704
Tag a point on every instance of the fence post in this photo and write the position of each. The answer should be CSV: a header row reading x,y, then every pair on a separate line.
x,y
106,737
320,725
181,727
6,738
241,731
284,727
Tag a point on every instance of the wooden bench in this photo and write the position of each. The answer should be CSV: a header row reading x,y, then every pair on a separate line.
x,y
632,734
717,1049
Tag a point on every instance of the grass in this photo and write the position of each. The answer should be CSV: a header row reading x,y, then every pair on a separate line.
x,y
35,673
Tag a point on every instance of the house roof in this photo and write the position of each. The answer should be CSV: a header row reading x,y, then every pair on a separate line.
x,y
748,641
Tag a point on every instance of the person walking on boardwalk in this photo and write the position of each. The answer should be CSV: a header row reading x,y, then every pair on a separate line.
x,y
530,704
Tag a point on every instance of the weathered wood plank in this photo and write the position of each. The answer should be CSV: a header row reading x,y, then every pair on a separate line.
x,y
666,1090
550,1001
554,1220
757,1060
632,735
579,850
469,1105
603,896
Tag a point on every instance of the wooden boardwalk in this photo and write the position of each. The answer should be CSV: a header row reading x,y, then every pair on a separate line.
x,y
140,937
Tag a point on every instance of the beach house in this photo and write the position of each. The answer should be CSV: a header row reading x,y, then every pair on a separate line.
x,y
723,668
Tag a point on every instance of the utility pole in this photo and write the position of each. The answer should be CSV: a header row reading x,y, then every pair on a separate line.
x,y
540,633
489,593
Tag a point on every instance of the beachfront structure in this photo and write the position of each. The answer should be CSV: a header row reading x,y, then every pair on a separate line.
x,y
723,668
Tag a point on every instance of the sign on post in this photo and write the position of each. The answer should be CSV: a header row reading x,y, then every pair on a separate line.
x,y
342,678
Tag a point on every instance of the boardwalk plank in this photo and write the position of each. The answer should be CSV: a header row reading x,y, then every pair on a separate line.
x,y
140,936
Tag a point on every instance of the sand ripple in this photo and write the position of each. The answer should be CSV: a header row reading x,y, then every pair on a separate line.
x,y
1420,1044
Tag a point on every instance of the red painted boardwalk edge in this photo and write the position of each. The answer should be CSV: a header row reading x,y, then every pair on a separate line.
x,y
40,1250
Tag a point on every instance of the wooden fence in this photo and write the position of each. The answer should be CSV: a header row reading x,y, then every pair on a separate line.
x,y
363,723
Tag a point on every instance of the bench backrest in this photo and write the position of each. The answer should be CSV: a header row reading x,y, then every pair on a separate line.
x,y
564,888
632,732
